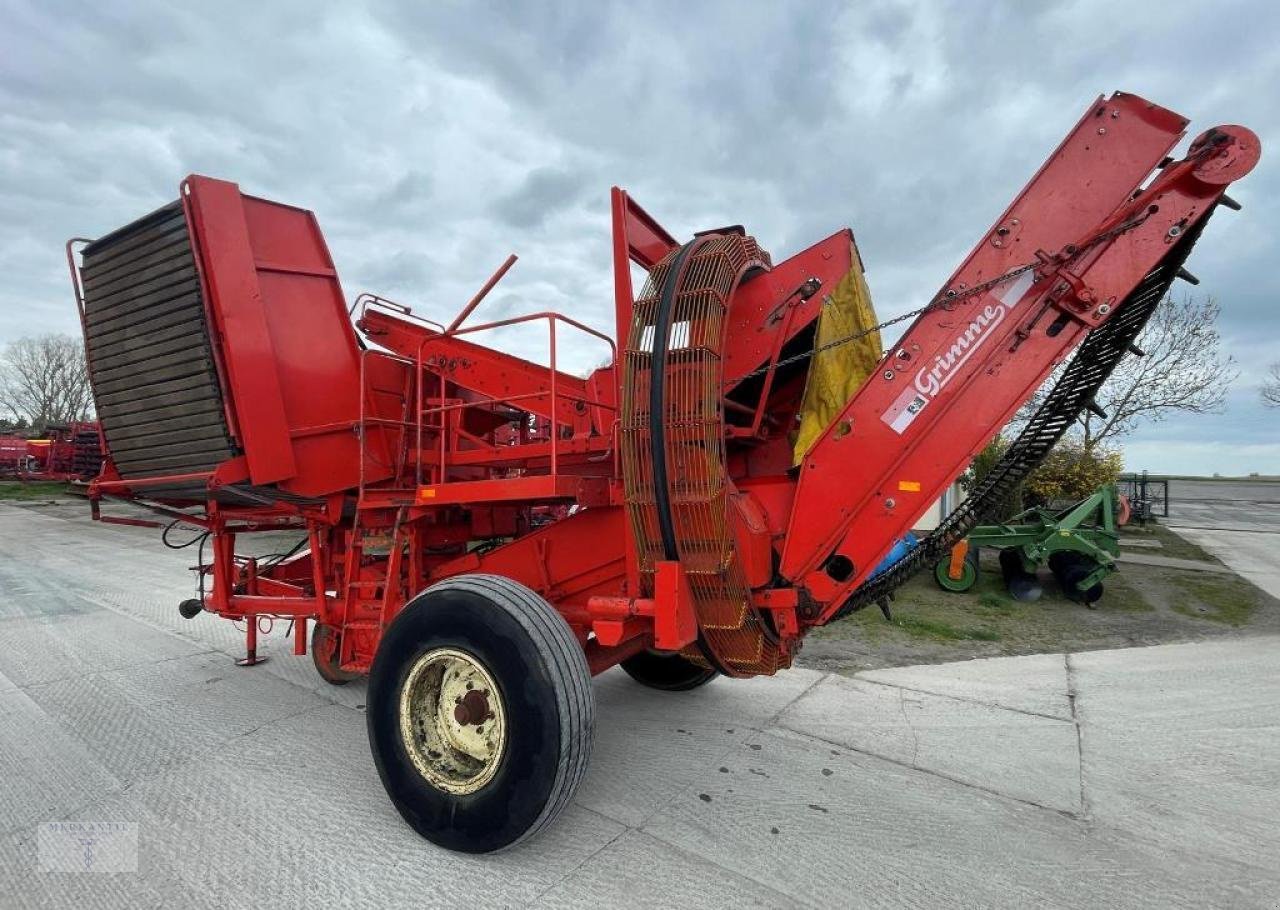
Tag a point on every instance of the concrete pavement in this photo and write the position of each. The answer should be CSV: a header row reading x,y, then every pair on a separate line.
x,y
1252,554
1143,777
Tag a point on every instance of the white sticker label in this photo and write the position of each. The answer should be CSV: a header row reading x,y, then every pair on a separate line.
x,y
933,378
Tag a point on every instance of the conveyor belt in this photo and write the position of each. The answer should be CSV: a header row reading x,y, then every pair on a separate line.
x,y
147,338
1093,362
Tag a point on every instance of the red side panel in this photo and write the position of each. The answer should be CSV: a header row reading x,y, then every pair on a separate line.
x,y
287,350
761,325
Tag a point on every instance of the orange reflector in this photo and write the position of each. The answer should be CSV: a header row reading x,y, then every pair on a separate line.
x,y
425,493
958,554
909,486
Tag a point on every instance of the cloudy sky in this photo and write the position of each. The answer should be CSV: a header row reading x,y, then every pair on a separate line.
x,y
433,138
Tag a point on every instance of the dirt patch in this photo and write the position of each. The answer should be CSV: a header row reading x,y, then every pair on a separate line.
x,y
1143,605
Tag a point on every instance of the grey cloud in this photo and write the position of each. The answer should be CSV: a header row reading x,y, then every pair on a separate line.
x,y
432,139
544,192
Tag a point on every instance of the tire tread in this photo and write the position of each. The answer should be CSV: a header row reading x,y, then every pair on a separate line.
x,y
565,659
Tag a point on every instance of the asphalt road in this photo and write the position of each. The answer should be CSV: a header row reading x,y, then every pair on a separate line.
x,y
1143,778
1237,521
1225,504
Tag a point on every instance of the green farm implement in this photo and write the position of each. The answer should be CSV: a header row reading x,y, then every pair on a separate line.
x,y
1080,545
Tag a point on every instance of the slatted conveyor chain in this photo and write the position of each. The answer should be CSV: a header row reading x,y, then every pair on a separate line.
x,y
1092,364
155,382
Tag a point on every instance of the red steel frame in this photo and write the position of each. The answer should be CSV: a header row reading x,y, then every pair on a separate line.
x,y
436,455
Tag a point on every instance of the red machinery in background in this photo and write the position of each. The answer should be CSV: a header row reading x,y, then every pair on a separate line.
x,y
68,451
481,533
65,451
16,459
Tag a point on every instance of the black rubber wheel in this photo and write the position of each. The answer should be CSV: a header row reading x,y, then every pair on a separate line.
x,y
324,654
666,671
542,715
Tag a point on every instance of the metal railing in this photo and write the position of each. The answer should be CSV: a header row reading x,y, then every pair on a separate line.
x,y
419,406
554,392
1147,498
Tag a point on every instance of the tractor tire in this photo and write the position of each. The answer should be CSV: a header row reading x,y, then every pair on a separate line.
x,y
667,672
480,713
324,654
968,573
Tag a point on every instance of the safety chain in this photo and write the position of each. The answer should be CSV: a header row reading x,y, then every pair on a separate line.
x,y
951,297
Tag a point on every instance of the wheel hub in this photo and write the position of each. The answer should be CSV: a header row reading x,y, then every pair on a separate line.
x,y
452,720
472,708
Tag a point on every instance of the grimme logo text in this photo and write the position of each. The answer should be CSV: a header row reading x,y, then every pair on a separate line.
x,y
930,380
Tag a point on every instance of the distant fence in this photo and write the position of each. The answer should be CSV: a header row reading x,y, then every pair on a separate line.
x,y
1147,497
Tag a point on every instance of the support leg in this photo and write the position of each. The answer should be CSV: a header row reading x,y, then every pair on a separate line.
x,y
251,657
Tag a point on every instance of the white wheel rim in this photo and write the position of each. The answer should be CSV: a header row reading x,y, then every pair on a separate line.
x,y
452,720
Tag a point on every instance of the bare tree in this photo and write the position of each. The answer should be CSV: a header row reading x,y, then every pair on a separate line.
x,y
1181,370
45,379
1270,390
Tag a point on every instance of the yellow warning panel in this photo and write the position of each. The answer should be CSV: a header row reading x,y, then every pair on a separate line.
x,y
836,374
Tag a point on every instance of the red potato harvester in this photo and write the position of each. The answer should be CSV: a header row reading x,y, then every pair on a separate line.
x,y
482,534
